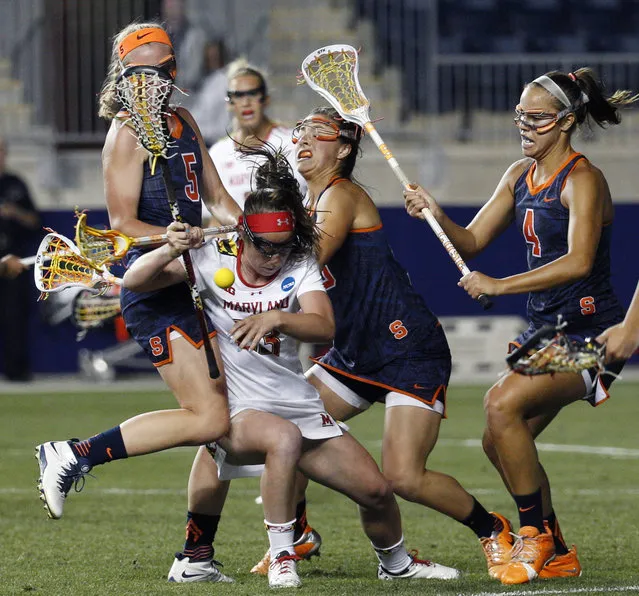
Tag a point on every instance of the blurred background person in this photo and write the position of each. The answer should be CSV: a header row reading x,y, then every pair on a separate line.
x,y
208,105
189,41
19,221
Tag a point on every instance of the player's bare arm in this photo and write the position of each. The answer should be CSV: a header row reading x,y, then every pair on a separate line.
x,y
123,171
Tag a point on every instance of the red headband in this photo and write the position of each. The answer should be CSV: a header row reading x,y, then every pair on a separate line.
x,y
277,221
140,37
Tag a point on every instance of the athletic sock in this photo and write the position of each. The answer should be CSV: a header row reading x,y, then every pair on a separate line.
x,y
280,537
100,449
530,510
480,521
393,559
300,520
561,548
200,535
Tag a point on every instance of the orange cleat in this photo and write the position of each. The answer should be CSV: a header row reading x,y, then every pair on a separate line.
x,y
566,565
306,546
498,545
531,551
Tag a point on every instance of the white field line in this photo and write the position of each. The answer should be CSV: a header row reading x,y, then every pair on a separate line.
x,y
619,452
543,591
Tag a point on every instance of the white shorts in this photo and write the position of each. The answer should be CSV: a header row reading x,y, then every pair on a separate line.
x,y
315,426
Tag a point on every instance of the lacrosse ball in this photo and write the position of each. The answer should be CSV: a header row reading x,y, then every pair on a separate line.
x,y
224,278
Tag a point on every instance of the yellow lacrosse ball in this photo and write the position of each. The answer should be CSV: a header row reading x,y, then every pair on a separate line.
x,y
224,278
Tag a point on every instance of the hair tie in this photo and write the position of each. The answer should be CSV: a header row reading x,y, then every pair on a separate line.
x,y
572,76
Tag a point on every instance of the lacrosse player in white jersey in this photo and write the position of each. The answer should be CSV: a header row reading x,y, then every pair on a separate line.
x,y
277,418
247,97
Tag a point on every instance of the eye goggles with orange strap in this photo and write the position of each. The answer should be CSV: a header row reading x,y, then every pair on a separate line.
x,y
537,120
320,129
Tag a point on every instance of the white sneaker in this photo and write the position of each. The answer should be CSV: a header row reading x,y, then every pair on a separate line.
x,y
184,570
282,572
420,569
59,469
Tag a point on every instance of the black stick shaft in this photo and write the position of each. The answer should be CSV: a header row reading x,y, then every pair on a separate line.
x,y
214,370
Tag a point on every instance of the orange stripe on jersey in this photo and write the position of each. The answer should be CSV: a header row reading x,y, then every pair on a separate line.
x,y
364,230
529,177
175,125
196,345
382,385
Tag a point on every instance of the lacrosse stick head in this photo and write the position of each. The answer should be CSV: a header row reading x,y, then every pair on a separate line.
x,y
550,350
333,72
144,91
100,247
91,310
60,265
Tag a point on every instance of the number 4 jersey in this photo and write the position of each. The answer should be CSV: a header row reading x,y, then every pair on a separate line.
x,y
271,377
588,303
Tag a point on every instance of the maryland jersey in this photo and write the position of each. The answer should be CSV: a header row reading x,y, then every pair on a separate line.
x,y
588,303
236,172
185,166
378,314
270,378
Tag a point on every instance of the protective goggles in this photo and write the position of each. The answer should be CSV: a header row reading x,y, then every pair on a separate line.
x,y
257,92
166,65
537,120
321,130
267,248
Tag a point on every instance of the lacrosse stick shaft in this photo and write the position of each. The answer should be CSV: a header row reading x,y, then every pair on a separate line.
x,y
162,238
214,370
28,261
485,302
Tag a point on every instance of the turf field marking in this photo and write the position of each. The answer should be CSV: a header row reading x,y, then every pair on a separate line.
x,y
603,589
554,447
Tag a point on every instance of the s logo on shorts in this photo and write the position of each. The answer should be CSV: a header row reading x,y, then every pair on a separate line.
x,y
288,284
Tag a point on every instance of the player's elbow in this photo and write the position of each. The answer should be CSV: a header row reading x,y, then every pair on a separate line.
x,y
581,267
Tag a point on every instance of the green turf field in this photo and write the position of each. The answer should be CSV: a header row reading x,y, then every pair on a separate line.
x,y
119,535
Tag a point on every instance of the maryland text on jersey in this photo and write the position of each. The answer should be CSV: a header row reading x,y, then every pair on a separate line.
x,y
257,306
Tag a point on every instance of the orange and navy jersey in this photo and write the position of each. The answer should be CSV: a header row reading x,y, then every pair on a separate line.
x,y
185,165
588,303
379,316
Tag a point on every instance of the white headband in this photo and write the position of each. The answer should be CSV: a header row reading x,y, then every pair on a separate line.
x,y
556,91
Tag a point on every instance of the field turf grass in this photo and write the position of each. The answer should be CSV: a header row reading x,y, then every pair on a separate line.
x,y
119,535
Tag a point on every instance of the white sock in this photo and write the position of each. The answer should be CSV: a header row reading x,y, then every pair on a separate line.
x,y
280,537
393,558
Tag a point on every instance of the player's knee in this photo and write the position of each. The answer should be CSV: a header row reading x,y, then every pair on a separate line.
x,y
288,444
379,495
499,406
404,482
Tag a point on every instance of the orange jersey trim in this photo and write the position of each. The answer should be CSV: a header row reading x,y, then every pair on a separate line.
x,y
570,172
364,230
196,345
529,177
140,37
382,385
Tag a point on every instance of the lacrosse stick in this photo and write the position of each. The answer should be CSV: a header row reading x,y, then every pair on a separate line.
x,y
144,91
101,247
91,311
60,265
550,350
28,261
332,71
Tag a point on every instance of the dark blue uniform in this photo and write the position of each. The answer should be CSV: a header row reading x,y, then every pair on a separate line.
x,y
386,337
151,316
589,305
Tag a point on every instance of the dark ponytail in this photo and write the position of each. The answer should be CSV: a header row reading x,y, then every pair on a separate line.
x,y
588,98
276,189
